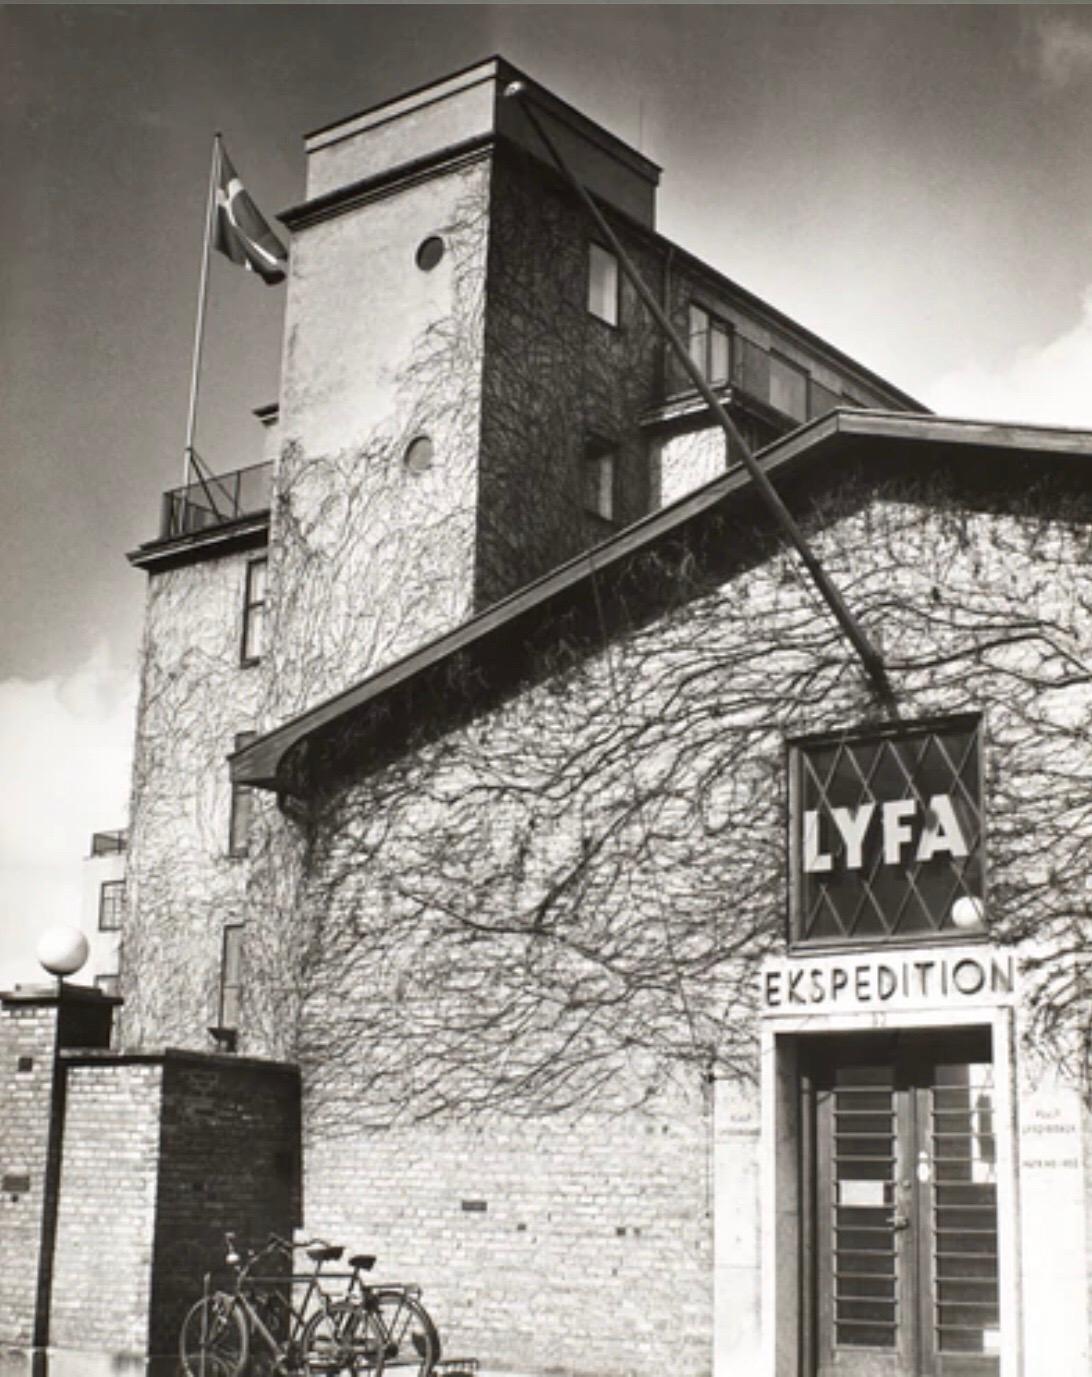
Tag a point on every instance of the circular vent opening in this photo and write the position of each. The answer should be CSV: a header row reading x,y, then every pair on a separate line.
x,y
429,252
418,456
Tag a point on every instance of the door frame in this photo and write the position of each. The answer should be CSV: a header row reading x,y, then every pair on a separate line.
x,y
786,1315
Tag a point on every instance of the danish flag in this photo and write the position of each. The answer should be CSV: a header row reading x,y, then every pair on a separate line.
x,y
240,231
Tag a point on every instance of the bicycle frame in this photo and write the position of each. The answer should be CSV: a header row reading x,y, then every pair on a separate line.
x,y
241,1299
297,1314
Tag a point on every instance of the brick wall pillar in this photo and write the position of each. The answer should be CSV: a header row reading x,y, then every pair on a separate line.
x,y
120,1175
163,1153
36,1025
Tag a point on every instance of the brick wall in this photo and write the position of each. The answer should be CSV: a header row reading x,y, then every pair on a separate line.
x,y
496,919
27,1046
160,1155
35,1025
230,1161
557,383
106,1218
577,1245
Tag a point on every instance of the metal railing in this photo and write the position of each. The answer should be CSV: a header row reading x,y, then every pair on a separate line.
x,y
214,500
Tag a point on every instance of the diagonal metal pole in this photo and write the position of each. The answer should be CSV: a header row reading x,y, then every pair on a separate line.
x,y
866,651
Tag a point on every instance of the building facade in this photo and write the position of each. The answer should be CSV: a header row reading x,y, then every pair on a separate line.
x,y
102,906
661,995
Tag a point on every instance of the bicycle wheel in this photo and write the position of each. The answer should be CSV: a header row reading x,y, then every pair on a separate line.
x,y
213,1340
410,1341
335,1340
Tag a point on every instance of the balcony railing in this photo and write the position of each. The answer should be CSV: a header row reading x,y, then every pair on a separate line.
x,y
109,843
215,500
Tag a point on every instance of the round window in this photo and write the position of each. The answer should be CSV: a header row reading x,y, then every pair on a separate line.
x,y
418,457
429,252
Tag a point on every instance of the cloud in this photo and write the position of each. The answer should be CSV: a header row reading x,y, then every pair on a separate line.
x,y
1048,384
66,744
1059,47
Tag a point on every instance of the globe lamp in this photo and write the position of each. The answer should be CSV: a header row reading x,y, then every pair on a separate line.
x,y
62,950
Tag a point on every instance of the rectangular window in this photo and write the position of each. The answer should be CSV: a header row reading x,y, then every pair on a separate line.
x,y
788,388
599,483
254,611
710,344
602,283
230,976
111,902
242,806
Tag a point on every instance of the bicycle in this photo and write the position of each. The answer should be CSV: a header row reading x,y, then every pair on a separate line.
x,y
371,1329
255,1319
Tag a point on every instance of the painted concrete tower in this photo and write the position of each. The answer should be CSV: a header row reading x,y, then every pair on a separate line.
x,y
399,370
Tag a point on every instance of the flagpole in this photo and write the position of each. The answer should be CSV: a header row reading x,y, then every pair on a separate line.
x,y
202,298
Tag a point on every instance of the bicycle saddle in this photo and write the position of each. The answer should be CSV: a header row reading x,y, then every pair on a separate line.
x,y
321,1252
365,1261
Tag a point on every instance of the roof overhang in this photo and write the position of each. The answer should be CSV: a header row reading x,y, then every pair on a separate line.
x,y
247,533
894,443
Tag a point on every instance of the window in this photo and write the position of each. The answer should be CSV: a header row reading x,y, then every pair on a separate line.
x,y
598,493
710,344
242,807
230,977
111,902
602,284
254,611
788,388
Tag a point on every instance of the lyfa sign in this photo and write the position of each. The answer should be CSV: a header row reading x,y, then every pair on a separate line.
x,y
887,834
938,977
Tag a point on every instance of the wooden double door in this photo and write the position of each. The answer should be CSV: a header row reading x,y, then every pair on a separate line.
x,y
900,1166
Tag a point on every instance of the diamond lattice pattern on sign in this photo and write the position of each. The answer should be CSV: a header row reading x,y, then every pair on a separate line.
x,y
889,833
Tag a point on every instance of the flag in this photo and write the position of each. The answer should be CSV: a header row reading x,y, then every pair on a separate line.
x,y
240,230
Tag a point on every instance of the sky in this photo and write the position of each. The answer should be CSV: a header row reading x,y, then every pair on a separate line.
x,y
910,182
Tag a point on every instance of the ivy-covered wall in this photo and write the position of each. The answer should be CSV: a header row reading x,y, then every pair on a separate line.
x,y
183,885
543,927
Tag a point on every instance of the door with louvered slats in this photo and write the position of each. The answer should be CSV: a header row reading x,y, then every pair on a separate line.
x,y
905,1206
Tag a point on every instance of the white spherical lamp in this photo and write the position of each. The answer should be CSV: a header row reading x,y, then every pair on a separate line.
x,y
967,913
62,950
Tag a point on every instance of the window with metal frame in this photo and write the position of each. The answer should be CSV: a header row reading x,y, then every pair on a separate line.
x,y
242,806
887,835
710,344
111,905
230,976
603,283
253,640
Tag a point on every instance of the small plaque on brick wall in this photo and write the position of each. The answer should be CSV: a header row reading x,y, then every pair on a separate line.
x,y
475,1206
15,1183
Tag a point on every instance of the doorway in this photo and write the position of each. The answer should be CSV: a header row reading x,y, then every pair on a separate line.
x,y
899,1269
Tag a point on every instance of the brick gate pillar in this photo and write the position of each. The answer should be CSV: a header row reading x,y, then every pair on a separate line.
x,y
36,1025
